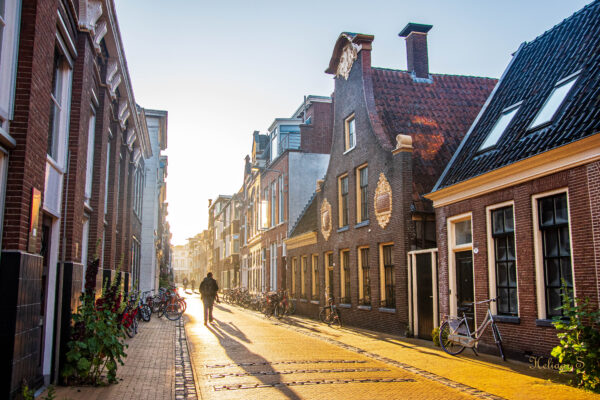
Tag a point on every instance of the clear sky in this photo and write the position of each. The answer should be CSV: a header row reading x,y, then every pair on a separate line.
x,y
223,69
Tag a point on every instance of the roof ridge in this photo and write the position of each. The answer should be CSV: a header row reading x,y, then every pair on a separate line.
x,y
435,74
564,21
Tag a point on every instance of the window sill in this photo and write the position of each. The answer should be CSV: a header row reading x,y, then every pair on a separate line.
x,y
343,229
508,319
345,305
303,301
544,322
387,310
365,308
361,224
350,149
314,301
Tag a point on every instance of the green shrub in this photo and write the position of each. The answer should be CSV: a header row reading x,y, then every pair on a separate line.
x,y
579,349
435,335
97,338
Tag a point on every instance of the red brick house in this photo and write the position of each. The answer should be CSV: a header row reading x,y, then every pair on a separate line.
x,y
517,208
278,183
73,145
393,133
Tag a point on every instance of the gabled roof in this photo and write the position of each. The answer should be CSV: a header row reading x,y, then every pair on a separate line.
x,y
569,47
436,115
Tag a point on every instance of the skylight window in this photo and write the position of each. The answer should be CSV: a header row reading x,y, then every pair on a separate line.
x,y
556,98
500,127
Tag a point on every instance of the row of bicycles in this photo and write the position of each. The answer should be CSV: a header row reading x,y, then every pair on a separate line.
x,y
272,304
140,307
278,304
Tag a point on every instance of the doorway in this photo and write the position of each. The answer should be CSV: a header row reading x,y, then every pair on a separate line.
x,y
464,285
424,295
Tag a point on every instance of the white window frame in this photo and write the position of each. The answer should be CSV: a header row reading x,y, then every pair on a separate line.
x,y
64,104
539,250
281,201
107,176
453,248
491,251
349,142
84,246
9,44
314,266
90,157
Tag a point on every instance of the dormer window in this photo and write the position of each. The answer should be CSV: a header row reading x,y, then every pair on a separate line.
x,y
554,101
500,126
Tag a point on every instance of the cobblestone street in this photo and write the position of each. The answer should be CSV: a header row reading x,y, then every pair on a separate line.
x,y
245,355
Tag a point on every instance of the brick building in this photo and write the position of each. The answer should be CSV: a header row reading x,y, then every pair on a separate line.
x,y
278,183
518,206
73,145
393,134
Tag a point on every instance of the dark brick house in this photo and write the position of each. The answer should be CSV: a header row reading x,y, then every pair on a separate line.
x,y
393,133
518,208
72,141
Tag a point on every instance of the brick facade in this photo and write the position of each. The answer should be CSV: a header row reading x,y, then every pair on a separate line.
x,y
37,289
526,336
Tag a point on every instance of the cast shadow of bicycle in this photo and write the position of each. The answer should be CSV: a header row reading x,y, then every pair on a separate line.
x,y
238,353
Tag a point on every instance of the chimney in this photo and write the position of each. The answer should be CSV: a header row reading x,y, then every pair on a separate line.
x,y
416,48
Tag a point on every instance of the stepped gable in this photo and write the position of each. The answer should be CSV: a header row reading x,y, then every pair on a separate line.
x,y
567,48
436,113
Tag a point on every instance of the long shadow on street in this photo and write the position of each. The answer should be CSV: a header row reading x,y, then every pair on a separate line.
x,y
240,354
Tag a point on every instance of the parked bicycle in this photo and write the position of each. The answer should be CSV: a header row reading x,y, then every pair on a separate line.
x,y
455,334
329,314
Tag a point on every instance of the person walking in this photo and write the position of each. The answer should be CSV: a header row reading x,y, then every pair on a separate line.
x,y
208,291
185,283
193,284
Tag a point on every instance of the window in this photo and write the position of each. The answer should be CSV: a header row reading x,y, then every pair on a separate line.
x,y
9,21
138,190
294,267
329,274
303,275
362,195
266,216
90,158
500,126
503,238
343,200
386,271
59,109
349,133
106,179
281,210
554,101
553,220
274,204
273,274
364,287
462,232
315,277
345,276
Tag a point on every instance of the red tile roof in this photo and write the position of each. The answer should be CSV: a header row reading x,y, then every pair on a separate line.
x,y
436,115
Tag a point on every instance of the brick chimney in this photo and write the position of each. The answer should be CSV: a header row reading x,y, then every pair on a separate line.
x,y
416,48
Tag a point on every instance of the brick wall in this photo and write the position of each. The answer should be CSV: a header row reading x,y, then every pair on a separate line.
x,y
527,336
350,98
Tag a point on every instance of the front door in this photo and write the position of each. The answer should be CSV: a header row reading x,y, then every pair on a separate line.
x,y
424,296
464,285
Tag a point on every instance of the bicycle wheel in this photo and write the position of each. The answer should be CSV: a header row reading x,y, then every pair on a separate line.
x,y
335,319
449,346
183,305
161,309
145,312
323,314
278,311
292,307
173,311
498,340
155,304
